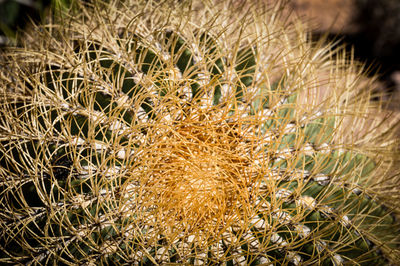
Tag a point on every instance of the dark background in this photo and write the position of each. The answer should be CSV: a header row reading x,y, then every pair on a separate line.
x,y
371,27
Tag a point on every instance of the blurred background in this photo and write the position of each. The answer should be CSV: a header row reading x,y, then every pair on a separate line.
x,y
18,14
372,27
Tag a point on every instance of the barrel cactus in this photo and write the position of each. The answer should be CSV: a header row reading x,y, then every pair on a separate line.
x,y
203,133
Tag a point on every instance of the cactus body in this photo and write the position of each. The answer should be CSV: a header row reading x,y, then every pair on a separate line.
x,y
128,136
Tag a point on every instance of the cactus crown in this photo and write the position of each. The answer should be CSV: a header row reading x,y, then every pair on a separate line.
x,y
131,136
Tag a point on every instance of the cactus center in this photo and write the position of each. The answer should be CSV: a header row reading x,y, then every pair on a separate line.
x,y
198,176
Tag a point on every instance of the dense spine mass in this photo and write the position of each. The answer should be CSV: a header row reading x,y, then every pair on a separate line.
x,y
135,133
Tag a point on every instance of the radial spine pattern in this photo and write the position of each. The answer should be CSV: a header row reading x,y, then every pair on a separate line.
x,y
211,132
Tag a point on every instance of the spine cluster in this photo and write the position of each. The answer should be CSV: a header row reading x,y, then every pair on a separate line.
x,y
137,133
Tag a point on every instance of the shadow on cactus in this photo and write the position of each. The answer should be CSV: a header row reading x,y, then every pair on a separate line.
x,y
140,134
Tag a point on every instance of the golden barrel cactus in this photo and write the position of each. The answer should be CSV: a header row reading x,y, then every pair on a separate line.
x,y
156,132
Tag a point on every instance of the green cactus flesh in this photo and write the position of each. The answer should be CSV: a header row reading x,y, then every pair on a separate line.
x,y
176,154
